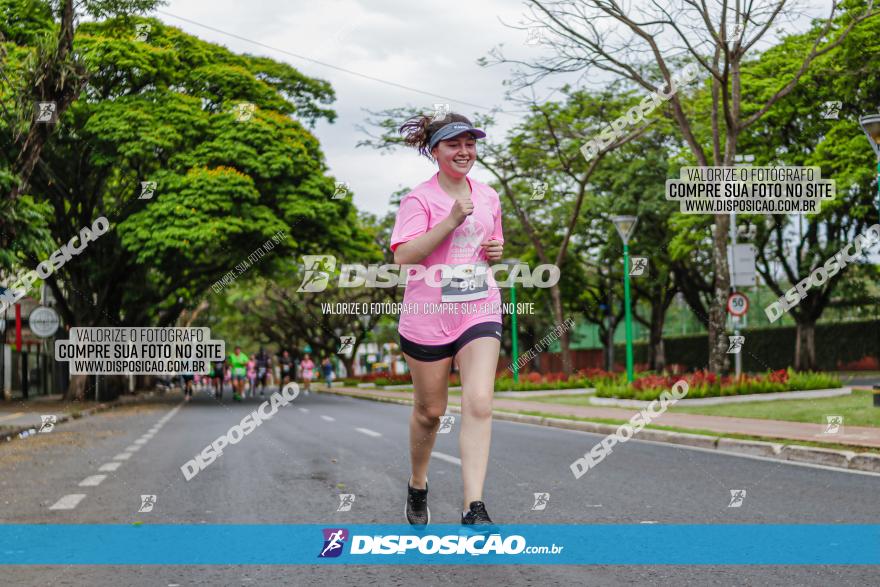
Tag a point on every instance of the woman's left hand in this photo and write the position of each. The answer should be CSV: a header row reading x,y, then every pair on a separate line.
x,y
494,250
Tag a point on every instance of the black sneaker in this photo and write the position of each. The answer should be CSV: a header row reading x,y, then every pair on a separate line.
x,y
416,511
477,516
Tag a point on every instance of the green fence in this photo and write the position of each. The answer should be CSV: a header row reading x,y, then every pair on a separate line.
x,y
838,345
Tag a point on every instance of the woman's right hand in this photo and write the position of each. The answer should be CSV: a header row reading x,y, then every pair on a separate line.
x,y
461,209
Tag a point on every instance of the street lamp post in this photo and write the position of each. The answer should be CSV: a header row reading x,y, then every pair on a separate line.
x,y
625,226
514,337
871,126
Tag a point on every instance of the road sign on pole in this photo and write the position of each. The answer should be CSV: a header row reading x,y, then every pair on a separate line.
x,y
737,304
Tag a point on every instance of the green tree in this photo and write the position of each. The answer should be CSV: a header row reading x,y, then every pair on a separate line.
x,y
795,132
165,110
645,44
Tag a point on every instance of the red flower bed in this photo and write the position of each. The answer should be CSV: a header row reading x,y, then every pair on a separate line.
x,y
705,378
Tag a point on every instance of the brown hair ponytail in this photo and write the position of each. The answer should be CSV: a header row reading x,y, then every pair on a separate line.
x,y
417,131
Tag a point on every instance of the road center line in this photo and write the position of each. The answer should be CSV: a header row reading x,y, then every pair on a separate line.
x,y
110,466
329,418
68,502
92,480
447,458
368,432
123,456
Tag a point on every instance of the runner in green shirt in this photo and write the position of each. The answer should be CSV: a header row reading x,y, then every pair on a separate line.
x,y
238,362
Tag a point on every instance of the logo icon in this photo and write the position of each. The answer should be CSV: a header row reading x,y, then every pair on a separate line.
x,y
46,112
446,424
833,424
142,31
148,188
341,190
737,33
736,343
147,503
539,189
244,111
638,266
347,343
541,500
334,540
440,112
831,109
534,36
346,500
48,423
318,268
737,497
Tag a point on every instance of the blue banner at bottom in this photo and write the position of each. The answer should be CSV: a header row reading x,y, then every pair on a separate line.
x,y
605,544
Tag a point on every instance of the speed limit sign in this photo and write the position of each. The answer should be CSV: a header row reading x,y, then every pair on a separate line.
x,y
737,304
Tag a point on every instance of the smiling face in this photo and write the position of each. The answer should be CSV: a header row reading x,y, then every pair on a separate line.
x,y
456,156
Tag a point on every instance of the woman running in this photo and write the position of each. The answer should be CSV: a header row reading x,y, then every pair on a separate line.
x,y
238,362
285,363
454,221
308,372
252,377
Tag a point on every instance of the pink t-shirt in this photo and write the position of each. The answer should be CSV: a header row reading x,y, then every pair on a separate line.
x,y
307,367
421,210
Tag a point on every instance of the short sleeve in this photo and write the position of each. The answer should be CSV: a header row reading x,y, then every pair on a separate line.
x,y
497,233
411,222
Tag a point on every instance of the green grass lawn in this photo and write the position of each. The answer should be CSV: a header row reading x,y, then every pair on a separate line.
x,y
857,409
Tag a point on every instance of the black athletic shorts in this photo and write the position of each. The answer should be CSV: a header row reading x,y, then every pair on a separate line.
x,y
426,352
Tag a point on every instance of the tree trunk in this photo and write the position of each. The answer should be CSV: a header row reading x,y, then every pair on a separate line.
x,y
564,339
608,344
349,364
805,346
717,313
77,390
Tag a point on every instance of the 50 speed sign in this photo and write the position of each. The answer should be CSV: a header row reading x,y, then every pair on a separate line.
x,y
737,304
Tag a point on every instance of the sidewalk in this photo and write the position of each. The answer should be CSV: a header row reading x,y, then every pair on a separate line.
x,y
852,435
22,417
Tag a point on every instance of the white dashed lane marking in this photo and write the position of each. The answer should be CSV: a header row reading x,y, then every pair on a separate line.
x,y
304,410
447,458
68,502
329,418
92,480
368,432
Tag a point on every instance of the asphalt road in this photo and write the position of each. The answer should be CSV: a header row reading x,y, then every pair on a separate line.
x,y
292,469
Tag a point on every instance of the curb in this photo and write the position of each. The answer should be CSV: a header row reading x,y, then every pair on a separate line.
x,y
839,459
730,399
10,435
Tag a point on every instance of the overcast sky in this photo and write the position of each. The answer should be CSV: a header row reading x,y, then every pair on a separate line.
x,y
428,45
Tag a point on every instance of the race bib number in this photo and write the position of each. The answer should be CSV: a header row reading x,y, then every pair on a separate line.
x,y
467,282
